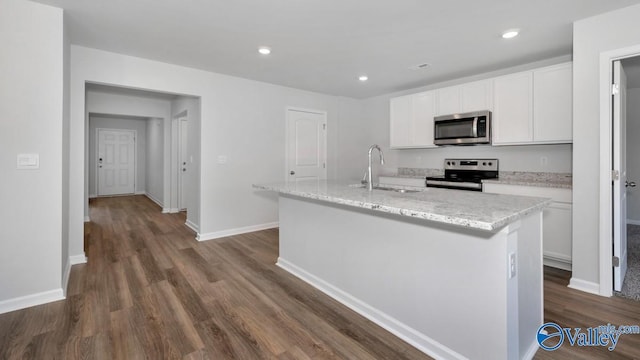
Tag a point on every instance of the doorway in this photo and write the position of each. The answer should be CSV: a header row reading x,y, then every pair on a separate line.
x,y
306,144
620,164
116,162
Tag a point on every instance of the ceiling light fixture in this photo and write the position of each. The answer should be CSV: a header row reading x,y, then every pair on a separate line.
x,y
264,50
363,78
510,34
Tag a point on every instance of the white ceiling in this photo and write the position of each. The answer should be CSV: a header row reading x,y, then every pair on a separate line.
x,y
324,45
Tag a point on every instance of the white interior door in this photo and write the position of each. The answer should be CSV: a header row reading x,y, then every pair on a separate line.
x,y
619,164
184,162
306,145
116,162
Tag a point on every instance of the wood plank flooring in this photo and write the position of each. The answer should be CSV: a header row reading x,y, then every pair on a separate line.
x,y
150,291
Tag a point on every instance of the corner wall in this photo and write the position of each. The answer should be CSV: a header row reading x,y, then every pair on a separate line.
x,y
591,37
633,155
31,99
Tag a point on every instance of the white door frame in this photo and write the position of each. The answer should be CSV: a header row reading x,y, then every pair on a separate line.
x,y
135,157
180,188
606,142
286,136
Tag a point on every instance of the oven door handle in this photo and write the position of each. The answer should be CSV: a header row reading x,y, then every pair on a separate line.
x,y
456,184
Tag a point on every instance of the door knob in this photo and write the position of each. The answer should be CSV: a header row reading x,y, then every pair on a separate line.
x,y
184,169
292,172
630,183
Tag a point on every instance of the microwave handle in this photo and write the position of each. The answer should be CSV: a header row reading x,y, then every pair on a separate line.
x,y
475,127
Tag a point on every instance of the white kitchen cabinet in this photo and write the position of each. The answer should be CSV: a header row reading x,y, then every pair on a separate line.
x,y
411,121
533,107
556,220
553,104
474,96
512,116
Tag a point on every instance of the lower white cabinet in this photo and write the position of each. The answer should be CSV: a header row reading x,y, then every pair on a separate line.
x,y
556,220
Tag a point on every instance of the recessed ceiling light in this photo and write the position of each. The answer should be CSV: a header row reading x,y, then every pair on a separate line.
x,y
363,78
510,34
264,50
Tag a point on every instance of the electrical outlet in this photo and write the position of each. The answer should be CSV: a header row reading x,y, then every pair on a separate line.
x,y
512,265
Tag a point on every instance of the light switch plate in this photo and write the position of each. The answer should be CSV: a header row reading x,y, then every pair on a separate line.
x,y
222,159
28,161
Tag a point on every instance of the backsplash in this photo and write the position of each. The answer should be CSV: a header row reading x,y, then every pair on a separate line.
x,y
404,171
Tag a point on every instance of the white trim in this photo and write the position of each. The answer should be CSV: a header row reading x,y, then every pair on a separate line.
x,y
170,210
415,338
556,263
141,192
92,196
586,286
154,199
191,225
23,302
633,222
87,219
532,351
237,231
286,137
65,277
77,259
606,198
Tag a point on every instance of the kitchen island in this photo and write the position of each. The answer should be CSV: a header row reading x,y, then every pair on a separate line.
x,y
457,274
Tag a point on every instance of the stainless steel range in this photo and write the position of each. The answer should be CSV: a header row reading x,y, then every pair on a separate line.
x,y
465,174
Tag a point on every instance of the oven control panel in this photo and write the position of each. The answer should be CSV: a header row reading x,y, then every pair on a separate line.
x,y
471,164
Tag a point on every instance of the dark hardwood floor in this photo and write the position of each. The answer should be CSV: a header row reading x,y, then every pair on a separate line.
x,y
150,291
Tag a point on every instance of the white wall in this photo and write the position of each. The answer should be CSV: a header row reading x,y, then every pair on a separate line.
x,y
633,154
31,99
102,122
242,119
154,186
610,31
375,122
189,107
66,263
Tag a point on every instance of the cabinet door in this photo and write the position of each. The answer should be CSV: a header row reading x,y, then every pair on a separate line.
x,y
423,105
400,121
512,109
448,100
553,104
557,234
476,96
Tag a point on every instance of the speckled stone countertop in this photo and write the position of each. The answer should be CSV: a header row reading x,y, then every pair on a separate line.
x,y
541,179
469,209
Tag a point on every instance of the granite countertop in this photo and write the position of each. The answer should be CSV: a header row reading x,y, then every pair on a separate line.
x,y
541,179
469,209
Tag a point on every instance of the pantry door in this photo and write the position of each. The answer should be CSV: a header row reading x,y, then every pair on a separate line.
x,y
116,162
306,145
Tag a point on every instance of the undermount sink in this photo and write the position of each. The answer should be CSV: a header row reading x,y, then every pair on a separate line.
x,y
395,189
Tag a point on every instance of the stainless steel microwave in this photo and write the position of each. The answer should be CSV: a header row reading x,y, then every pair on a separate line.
x,y
463,129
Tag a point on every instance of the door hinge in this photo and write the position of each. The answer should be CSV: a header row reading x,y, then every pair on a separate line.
x,y
324,126
324,165
615,89
615,175
616,261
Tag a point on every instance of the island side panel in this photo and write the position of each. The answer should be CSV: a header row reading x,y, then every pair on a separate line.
x,y
442,288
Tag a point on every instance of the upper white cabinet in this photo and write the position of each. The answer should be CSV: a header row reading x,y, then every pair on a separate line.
x,y
512,109
474,96
411,124
553,103
529,107
533,107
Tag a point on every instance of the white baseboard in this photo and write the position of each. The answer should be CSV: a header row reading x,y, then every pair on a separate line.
x,y
65,277
170,210
191,225
556,260
23,302
87,219
531,352
78,259
633,222
237,231
154,199
92,196
583,285
417,339
141,192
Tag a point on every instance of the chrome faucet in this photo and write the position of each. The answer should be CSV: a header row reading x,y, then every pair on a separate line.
x,y
368,173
